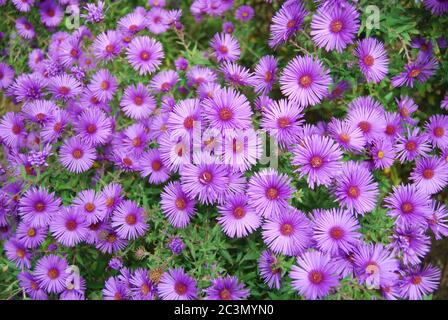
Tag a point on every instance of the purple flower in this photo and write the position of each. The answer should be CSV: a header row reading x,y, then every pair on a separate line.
x,y
94,12
152,165
437,7
142,287
372,59
418,281
93,127
30,285
269,192
244,13
305,81
23,6
314,275
51,274
29,236
76,156
419,70
114,289
236,75
412,145
199,75
28,87
437,130
69,227
176,245
37,206
383,153
269,269
144,54
181,63
129,221
175,284
137,102
225,47
410,243
368,115
103,85
176,205
107,45
228,27
51,14
226,288
25,28
185,118
6,75
438,220
64,87
18,253
109,241
157,20
348,136
115,263
288,233
90,204
430,174
286,22
407,106
265,74
12,129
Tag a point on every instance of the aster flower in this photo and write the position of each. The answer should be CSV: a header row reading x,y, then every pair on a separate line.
x,y
200,74
129,221
23,6
91,205
286,22
419,70
237,218
76,156
225,47
333,28
263,103
176,245
64,87
107,45
236,75
37,206
228,27
103,85
227,111
17,253
226,288
164,81
6,75
12,129
31,237
437,7
288,233
69,227
185,118
443,105
31,287
142,287
355,188
176,205
438,220
430,174
175,284
39,111
204,179
269,269
335,230
394,125
314,275
93,127
372,59
152,165
408,147
383,153
112,193
94,12
269,192
419,281
28,87
348,136
437,130
157,20
144,54
410,243
265,74
51,274
109,241
374,265
368,115
305,81
25,28
134,139
319,158
137,102
407,106
282,120
409,205
51,14
114,289
339,90
181,63
242,150
244,13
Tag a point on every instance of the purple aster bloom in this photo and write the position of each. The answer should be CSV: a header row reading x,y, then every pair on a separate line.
x,y
164,81
410,243
112,193
355,188
424,46
438,220
269,269
176,245
265,74
374,265
176,205
135,139
335,230
228,27
286,22
348,136
244,13
263,103
227,288
91,205
109,241
269,192
200,74
156,3
437,130
35,60
103,85
6,75
31,237
175,284
39,111
394,125
75,288
339,90
28,87
181,63
137,102
204,179
17,253
31,287
419,281
142,287
107,45
70,51
152,165
314,275
76,156
69,227
305,81
242,150
51,14
93,126
367,114
407,106
288,233
64,87
225,47
144,54
412,145
37,206
115,263
409,205
185,118
237,218
383,153
430,174
158,20
25,28
437,7
283,120
94,12
319,158
333,28
114,289
12,129
443,104
129,220
51,274
124,159
228,111
39,158
372,59
419,70
236,75
23,5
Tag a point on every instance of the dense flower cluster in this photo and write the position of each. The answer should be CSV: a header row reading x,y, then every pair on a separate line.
x,y
198,131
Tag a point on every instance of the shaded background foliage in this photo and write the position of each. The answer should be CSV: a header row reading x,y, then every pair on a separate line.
x,y
208,251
